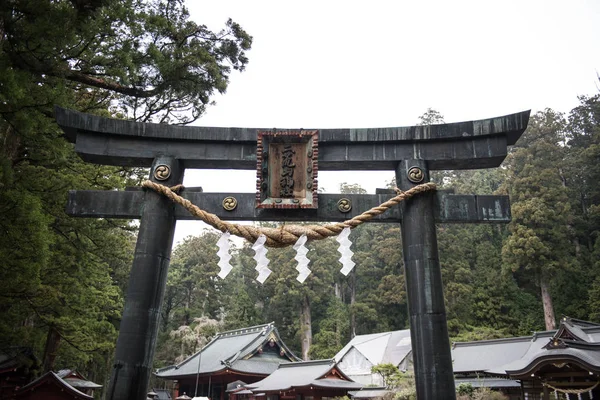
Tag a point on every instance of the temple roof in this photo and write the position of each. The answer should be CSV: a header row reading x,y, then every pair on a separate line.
x,y
75,379
238,350
575,341
51,378
318,373
484,355
378,348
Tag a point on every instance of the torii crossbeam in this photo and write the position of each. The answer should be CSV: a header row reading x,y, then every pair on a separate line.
x,y
410,151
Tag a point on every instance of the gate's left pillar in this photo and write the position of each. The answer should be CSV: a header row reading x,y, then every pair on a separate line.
x,y
139,324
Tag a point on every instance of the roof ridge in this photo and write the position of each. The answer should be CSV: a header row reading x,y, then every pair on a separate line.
x,y
328,361
185,361
488,341
242,331
60,381
375,337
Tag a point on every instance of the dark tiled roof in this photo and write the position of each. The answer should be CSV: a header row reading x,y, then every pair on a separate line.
x,y
52,378
485,354
82,383
76,380
589,358
300,374
516,356
228,350
64,372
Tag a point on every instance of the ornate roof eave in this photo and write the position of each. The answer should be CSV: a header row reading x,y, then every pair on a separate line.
x,y
222,371
310,385
545,359
226,363
272,334
53,377
338,371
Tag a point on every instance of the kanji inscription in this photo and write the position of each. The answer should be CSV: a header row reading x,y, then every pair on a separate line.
x,y
286,181
287,169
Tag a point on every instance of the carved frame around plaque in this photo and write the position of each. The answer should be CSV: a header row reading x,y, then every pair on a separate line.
x,y
286,169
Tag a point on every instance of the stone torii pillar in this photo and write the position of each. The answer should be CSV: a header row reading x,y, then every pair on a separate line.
x,y
412,152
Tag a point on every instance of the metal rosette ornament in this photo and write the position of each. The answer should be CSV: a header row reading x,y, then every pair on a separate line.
x,y
344,249
301,251
261,259
224,246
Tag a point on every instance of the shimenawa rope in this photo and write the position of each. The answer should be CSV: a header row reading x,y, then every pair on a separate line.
x,y
285,235
572,391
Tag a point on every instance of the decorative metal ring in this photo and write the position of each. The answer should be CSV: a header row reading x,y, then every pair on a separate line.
x,y
415,175
310,153
162,172
344,205
309,185
230,203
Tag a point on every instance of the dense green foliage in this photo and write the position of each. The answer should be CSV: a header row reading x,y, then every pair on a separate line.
x,y
62,279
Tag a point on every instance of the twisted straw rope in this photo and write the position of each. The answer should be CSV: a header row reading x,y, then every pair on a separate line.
x,y
572,391
285,235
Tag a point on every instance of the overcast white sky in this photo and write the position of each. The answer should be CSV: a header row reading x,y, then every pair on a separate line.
x,y
343,64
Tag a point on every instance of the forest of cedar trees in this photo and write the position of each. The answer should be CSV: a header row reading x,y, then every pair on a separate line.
x,y
63,279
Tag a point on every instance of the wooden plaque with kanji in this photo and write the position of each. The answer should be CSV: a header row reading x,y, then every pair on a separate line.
x,y
287,166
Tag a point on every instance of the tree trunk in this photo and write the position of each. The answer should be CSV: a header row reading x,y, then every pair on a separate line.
x,y
352,282
52,345
305,328
547,303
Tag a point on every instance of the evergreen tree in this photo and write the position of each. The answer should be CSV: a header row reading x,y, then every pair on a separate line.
x,y
64,279
538,247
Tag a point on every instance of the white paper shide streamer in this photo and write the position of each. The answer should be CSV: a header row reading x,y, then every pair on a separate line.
x,y
261,259
344,249
303,261
224,245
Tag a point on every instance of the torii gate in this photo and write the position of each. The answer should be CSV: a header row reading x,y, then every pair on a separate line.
x,y
410,151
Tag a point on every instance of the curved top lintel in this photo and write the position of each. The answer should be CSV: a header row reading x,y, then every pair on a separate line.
x,y
512,126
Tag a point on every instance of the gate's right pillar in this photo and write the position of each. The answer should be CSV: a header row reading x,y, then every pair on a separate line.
x,y
428,328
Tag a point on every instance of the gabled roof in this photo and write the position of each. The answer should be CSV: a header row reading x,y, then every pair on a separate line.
x,y
75,379
484,355
237,350
50,378
574,340
380,348
318,373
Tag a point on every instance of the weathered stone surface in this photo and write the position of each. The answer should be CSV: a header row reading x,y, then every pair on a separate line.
x,y
425,291
448,207
138,329
463,145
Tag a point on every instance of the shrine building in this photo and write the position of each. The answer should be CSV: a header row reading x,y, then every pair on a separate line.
x,y
564,363
247,355
314,380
